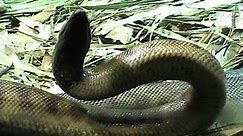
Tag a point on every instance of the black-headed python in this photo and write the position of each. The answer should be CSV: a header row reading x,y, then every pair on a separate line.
x,y
28,111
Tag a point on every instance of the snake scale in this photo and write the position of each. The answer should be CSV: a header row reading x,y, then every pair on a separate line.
x,y
28,111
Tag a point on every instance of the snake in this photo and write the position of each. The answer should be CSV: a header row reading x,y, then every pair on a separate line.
x,y
29,111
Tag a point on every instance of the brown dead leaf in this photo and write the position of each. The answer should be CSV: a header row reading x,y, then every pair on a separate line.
x,y
45,14
121,33
34,28
46,63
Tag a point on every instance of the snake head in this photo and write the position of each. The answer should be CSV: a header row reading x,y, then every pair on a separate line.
x,y
72,45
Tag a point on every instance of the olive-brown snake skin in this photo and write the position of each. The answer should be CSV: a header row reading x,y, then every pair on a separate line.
x,y
28,111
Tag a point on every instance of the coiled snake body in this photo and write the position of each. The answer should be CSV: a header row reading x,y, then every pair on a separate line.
x,y
29,111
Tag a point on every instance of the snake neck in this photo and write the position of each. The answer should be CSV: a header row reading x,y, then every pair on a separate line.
x,y
69,53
